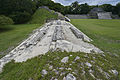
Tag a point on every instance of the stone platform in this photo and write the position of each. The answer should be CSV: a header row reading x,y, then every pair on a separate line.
x,y
53,36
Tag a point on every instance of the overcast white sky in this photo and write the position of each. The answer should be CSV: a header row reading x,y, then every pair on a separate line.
x,y
90,2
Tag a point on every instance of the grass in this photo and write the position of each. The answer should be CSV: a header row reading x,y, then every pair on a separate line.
x,y
41,15
12,35
105,33
106,36
32,69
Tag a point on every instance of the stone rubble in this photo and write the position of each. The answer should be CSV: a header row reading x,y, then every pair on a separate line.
x,y
61,68
88,64
65,60
77,58
69,77
69,69
57,35
50,67
30,79
115,72
56,72
104,73
44,72
91,73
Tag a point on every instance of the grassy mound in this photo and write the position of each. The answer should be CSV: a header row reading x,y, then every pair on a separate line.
x,y
41,15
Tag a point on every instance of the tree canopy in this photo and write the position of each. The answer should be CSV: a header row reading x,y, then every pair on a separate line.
x,y
17,9
22,10
118,8
5,20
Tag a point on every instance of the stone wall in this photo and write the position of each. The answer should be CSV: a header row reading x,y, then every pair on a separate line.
x,y
115,17
104,15
99,15
78,16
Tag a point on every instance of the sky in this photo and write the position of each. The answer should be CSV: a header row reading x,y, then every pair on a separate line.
x,y
90,2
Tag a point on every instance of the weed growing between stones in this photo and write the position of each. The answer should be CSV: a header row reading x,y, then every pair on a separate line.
x,y
50,66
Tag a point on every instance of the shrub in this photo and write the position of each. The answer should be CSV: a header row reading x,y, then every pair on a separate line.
x,y
5,20
119,14
20,17
16,8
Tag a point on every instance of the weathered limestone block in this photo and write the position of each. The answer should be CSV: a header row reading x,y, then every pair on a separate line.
x,y
65,59
67,19
58,22
58,34
77,33
33,40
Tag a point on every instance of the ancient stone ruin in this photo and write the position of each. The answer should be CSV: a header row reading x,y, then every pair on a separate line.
x,y
57,35
71,16
104,15
95,13
99,13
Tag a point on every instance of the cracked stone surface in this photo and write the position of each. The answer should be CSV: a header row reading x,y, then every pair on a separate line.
x,y
57,35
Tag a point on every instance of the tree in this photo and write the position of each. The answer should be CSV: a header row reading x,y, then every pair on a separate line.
x,y
5,20
66,10
16,7
107,7
53,6
75,4
84,8
118,8
74,7
20,17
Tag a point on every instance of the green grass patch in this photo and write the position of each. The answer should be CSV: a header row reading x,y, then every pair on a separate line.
x,y
106,36
12,35
41,15
32,68
105,33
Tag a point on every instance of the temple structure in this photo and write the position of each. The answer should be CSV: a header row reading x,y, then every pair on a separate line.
x,y
95,13
99,13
